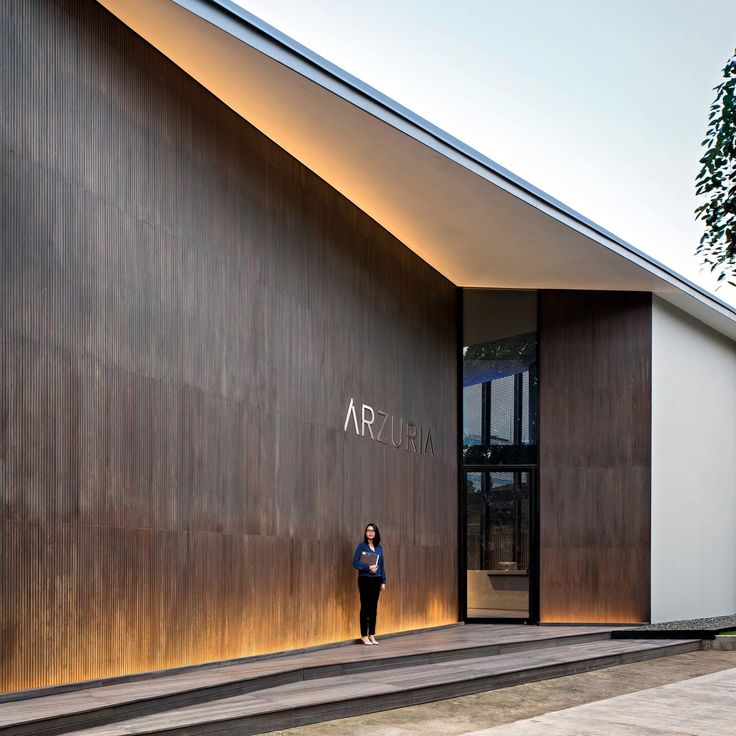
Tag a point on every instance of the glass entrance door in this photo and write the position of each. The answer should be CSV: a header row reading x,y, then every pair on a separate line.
x,y
500,415
498,534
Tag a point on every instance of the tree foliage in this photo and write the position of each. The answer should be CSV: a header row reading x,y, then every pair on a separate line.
x,y
717,181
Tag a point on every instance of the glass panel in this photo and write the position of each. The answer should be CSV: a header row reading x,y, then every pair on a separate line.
x,y
502,411
499,402
474,519
472,397
526,425
497,505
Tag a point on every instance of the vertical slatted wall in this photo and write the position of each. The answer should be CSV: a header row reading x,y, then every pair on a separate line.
x,y
595,456
185,313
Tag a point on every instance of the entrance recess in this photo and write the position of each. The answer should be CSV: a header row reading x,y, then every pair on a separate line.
x,y
498,499
498,539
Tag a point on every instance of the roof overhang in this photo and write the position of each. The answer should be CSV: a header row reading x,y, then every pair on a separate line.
x,y
472,220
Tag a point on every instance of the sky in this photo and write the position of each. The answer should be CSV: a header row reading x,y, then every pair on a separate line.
x,y
603,105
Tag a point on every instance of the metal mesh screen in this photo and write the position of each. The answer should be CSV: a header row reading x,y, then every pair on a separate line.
x,y
502,411
472,414
497,508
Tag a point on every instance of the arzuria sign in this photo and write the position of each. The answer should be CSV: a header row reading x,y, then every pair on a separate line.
x,y
382,427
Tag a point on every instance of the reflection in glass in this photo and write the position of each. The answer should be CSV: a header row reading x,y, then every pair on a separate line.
x,y
499,401
499,423
497,506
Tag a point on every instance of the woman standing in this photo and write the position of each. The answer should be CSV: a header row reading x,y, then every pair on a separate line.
x,y
371,580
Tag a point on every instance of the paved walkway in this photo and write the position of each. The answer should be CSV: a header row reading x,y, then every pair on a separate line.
x,y
703,706
471,713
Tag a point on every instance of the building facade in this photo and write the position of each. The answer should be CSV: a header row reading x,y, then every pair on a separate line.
x,y
219,364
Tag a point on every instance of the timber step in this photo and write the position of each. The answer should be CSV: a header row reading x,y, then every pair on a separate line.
x,y
93,706
328,698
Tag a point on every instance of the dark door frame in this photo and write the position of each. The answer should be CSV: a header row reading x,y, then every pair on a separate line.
x,y
533,617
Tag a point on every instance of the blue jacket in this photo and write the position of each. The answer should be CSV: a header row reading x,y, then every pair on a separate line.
x,y
363,569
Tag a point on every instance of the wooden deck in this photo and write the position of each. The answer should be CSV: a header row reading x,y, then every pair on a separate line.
x,y
276,692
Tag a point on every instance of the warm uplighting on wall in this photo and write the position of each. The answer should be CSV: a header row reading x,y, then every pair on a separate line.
x,y
590,616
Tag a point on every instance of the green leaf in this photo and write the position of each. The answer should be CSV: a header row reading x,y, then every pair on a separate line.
x,y
716,180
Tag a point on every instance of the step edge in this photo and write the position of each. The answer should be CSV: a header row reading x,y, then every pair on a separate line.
x,y
530,674
80,685
295,674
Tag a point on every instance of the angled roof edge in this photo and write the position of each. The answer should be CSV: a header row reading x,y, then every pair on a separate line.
x,y
305,62
469,225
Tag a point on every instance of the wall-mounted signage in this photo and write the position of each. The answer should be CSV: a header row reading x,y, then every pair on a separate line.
x,y
385,428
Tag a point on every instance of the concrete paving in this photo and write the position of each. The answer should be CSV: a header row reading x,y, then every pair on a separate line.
x,y
474,713
704,706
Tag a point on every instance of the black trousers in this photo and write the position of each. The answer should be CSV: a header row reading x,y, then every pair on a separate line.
x,y
370,589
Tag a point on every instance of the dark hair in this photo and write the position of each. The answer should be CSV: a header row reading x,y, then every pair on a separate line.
x,y
376,539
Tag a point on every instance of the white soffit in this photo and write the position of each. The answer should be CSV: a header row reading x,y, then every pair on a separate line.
x,y
473,221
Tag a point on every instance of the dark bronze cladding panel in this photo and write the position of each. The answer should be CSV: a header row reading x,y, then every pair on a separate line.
x,y
186,312
595,456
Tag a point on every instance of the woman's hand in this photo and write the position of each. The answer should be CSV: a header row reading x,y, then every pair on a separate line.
x,y
373,568
383,586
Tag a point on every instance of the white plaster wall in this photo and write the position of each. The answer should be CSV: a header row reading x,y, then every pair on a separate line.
x,y
693,468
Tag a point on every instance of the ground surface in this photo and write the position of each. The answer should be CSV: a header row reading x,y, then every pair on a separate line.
x,y
474,713
714,623
702,706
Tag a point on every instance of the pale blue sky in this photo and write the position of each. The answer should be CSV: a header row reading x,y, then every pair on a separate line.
x,y
601,105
